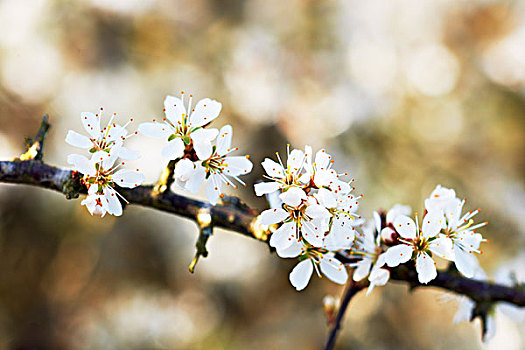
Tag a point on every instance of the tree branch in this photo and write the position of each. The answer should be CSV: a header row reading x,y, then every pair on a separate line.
x,y
234,215
240,219
352,288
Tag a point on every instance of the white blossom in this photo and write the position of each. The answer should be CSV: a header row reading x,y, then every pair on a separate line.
x,y
183,126
460,230
102,139
282,178
101,174
420,244
326,264
219,168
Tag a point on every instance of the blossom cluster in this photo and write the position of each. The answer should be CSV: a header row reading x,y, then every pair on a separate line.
x,y
320,226
201,154
317,213
102,170
190,143
398,239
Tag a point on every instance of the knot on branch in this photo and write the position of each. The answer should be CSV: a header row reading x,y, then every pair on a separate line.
x,y
205,221
73,187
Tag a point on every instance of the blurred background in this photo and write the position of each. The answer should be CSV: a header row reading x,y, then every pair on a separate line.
x,y
405,94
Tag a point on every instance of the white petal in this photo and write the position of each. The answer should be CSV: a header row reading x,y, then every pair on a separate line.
x,y
293,196
322,159
81,164
317,211
114,206
273,216
405,226
107,159
295,160
224,141
378,277
312,233
78,140
301,274
396,210
439,197
175,109
377,221
203,149
156,130
362,270
174,149
205,111
326,198
433,222
272,168
333,269
464,313
213,188
273,199
341,235
128,178
340,187
398,254
426,268
470,240
117,132
204,134
184,169
283,236
128,154
237,165
91,123
266,187
292,251
196,180
466,263
442,247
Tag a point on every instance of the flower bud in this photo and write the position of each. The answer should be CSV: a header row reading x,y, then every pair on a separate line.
x,y
388,235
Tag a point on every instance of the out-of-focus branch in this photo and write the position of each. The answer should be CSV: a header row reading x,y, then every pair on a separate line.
x,y
352,288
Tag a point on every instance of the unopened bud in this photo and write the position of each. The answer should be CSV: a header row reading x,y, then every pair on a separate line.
x,y
388,235
330,307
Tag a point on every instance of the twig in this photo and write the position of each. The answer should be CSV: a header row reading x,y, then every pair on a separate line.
x,y
352,288
166,177
205,222
35,147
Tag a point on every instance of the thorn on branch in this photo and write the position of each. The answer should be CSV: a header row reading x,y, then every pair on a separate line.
x,y
204,219
35,147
